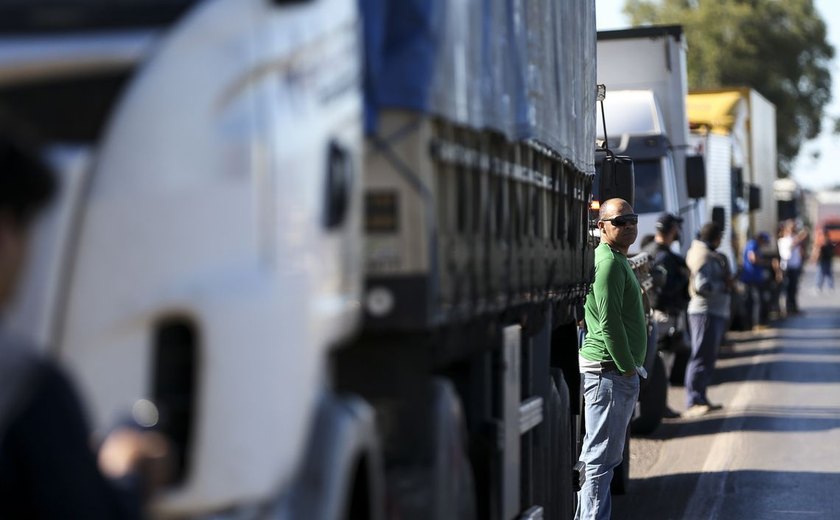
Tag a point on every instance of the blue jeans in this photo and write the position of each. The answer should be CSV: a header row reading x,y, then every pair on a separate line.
x,y
824,275
706,336
757,303
792,290
609,401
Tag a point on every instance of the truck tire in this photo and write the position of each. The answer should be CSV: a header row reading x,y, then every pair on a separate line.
x,y
653,399
677,375
621,474
442,486
562,505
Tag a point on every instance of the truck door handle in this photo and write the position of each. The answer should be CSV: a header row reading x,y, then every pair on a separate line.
x,y
338,183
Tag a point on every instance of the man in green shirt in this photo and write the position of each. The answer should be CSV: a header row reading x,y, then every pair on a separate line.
x,y
611,356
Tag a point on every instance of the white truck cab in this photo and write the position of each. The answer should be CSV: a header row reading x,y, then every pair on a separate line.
x,y
635,129
214,203
644,70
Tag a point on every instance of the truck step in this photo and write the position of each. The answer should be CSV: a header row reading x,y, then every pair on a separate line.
x,y
533,513
530,414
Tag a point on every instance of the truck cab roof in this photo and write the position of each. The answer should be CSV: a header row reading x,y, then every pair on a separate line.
x,y
640,147
635,112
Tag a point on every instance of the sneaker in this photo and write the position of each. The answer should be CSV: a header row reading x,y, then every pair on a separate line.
x,y
697,410
713,406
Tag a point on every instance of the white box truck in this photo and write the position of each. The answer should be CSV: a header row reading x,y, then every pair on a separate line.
x,y
749,121
722,201
644,70
349,291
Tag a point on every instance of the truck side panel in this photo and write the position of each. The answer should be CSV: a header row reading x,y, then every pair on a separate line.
x,y
762,125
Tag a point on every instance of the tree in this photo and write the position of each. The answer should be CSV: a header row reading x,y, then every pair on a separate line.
x,y
777,47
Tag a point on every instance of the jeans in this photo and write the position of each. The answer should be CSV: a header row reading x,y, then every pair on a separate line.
x,y
609,400
757,303
706,335
824,275
792,290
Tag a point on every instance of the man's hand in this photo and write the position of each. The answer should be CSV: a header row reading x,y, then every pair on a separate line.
x,y
128,450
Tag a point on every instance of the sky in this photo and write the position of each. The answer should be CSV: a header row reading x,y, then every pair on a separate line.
x,y
809,171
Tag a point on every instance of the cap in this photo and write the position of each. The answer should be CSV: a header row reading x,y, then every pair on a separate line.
x,y
764,236
667,221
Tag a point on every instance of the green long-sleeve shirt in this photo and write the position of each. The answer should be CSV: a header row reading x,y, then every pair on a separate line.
x,y
614,314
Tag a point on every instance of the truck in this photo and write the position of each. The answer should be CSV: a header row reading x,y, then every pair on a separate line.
x,y
342,291
749,121
724,200
823,212
824,205
644,71
790,200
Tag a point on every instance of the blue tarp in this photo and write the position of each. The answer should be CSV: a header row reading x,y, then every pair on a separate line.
x,y
525,68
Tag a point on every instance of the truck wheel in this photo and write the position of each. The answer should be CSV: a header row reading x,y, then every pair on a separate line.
x,y
677,376
653,399
440,484
562,501
621,474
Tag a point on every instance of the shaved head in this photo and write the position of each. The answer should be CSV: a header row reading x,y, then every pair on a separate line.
x,y
618,233
613,207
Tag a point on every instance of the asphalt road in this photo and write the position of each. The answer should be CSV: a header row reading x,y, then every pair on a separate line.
x,y
773,451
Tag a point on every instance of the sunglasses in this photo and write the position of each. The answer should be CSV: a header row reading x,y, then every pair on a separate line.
x,y
623,220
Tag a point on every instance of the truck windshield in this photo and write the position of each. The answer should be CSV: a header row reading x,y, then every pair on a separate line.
x,y
64,64
650,195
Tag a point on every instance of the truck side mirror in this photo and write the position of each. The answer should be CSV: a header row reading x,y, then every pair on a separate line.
x,y
719,216
695,172
617,178
755,198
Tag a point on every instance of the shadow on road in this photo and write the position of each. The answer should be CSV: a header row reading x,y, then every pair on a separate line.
x,y
778,349
753,418
739,494
776,354
780,371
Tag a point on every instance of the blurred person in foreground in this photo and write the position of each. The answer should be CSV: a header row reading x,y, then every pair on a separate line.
x,y
791,255
708,315
47,466
611,356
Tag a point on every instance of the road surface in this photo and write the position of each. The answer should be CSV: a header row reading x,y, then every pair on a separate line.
x,y
773,451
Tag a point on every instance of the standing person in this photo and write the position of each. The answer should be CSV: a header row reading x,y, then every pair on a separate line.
x,y
47,468
825,259
669,301
791,245
708,312
611,356
756,274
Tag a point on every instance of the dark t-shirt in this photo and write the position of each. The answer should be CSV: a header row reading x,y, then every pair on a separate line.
x,y
673,296
47,467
